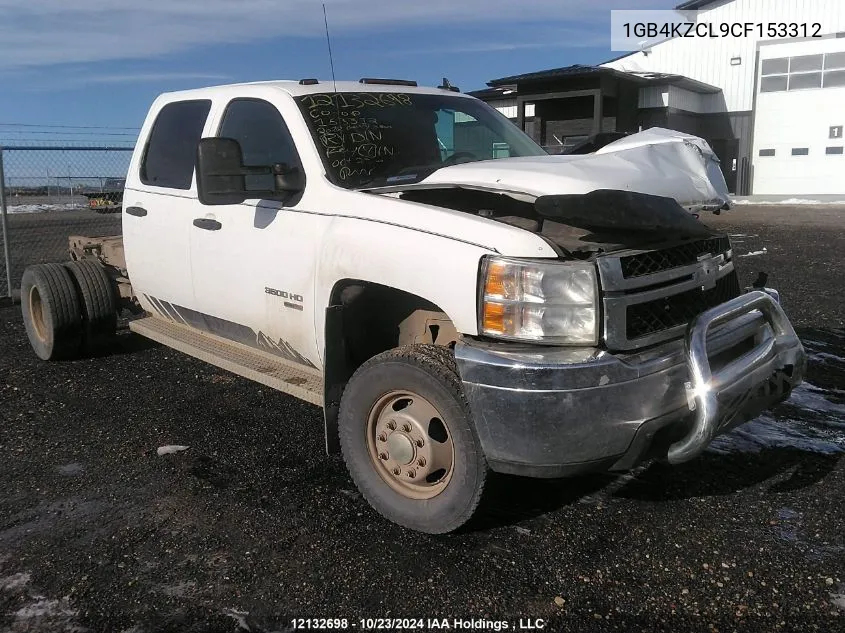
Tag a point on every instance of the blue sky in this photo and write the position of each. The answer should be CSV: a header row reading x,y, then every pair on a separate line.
x,y
101,62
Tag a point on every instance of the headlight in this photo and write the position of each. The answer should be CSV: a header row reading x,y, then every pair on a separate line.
x,y
548,302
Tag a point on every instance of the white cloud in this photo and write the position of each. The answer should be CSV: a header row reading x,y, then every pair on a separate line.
x,y
131,78
43,80
48,32
583,41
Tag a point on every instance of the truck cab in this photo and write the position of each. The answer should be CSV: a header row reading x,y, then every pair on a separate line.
x,y
455,299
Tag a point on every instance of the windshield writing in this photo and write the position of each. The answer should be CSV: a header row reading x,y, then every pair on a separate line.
x,y
350,135
389,138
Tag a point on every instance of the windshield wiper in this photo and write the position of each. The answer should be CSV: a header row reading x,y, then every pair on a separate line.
x,y
420,172
366,182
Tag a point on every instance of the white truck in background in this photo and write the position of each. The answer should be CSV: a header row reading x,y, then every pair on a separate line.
x,y
456,300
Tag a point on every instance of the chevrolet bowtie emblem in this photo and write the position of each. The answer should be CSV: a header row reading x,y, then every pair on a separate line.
x,y
706,274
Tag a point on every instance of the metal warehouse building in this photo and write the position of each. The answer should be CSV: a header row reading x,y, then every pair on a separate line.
x,y
773,109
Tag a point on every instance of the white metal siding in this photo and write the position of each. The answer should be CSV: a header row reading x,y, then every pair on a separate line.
x,y
799,119
708,60
675,97
509,107
509,111
505,106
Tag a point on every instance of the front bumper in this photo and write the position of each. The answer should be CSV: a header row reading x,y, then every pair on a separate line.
x,y
552,411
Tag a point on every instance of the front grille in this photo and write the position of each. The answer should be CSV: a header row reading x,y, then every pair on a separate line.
x,y
683,255
667,312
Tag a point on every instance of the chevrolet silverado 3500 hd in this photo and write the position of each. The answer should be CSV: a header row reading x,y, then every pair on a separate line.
x,y
456,300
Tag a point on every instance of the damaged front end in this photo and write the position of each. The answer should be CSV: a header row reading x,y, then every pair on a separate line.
x,y
656,162
552,411
637,341
681,354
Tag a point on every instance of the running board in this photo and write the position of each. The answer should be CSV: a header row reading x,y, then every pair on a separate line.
x,y
277,373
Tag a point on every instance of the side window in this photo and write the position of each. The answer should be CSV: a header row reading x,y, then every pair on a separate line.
x,y
265,139
172,147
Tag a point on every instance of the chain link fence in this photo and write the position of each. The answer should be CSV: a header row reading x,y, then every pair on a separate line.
x,y
48,194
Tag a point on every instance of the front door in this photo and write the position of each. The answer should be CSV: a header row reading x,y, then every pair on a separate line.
x,y
253,263
159,202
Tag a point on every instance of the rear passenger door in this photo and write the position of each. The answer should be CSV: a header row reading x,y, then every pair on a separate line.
x,y
159,204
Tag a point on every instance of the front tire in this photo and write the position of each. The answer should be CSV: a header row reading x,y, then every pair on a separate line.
x,y
408,440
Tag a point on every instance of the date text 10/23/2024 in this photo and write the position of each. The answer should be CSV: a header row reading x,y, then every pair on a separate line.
x,y
417,624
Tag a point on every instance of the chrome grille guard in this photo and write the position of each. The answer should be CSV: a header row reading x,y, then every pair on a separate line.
x,y
773,352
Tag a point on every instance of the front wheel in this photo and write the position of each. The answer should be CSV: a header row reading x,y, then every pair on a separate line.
x,y
408,441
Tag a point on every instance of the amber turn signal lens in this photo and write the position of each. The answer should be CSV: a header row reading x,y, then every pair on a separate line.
x,y
493,318
495,285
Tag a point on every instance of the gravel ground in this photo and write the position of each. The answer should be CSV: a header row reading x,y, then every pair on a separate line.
x,y
803,250
253,525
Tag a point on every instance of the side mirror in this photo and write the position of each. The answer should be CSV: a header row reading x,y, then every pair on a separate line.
x,y
222,175
220,164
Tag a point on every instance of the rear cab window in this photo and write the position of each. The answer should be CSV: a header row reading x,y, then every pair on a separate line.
x,y
171,149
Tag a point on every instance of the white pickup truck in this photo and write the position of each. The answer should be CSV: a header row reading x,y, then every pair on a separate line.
x,y
456,300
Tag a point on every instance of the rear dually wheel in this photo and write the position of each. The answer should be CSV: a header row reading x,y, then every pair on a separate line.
x,y
52,314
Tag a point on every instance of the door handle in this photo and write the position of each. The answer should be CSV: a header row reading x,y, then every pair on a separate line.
x,y
138,212
208,224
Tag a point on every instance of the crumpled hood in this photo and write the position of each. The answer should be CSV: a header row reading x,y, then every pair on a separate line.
x,y
658,161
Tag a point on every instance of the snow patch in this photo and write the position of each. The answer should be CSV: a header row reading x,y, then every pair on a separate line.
x,y
44,608
808,396
824,357
170,449
14,582
239,617
70,470
766,432
179,589
47,616
37,613
43,208
790,201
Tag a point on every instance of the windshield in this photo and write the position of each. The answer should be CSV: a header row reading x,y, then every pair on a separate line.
x,y
371,139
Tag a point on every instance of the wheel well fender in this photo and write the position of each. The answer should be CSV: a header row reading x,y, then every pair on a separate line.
x,y
364,319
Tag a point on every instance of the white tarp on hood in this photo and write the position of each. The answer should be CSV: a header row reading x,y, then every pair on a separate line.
x,y
657,161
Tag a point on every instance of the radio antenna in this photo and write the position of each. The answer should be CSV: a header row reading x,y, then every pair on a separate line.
x,y
329,43
340,126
